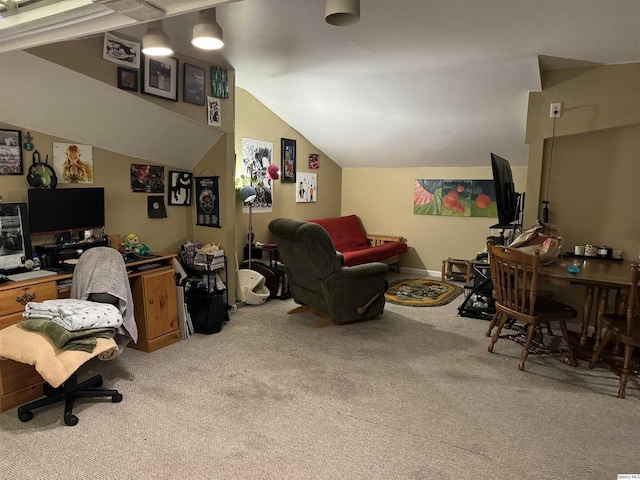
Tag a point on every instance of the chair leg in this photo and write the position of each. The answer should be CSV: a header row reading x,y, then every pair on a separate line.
x,y
492,324
596,355
626,364
570,359
503,318
531,329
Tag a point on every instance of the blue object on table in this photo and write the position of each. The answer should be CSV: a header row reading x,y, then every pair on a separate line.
x,y
573,269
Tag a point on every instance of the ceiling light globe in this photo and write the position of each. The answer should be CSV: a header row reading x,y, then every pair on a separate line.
x,y
342,13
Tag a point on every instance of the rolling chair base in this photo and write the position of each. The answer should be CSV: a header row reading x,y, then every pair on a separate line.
x,y
68,392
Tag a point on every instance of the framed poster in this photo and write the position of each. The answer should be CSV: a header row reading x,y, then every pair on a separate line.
x,y
147,178
193,90
207,202
121,51
314,161
288,160
160,77
11,152
180,188
214,113
73,162
219,82
128,79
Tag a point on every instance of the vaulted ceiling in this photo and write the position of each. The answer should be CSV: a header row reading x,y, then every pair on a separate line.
x,y
414,83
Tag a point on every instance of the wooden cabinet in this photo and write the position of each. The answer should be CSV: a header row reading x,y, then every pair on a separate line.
x,y
154,296
20,382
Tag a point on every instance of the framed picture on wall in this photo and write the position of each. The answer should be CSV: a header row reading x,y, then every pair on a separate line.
x,y
219,82
160,77
180,188
207,202
128,79
194,78
121,51
288,160
10,152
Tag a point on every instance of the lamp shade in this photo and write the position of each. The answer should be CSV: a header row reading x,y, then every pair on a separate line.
x,y
155,42
342,12
207,33
247,194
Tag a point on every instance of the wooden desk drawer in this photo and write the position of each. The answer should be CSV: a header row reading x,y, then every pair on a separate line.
x,y
14,300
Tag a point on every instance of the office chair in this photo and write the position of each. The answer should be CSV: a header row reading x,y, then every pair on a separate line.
x,y
100,276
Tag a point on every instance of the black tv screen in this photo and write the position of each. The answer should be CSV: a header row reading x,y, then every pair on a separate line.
x,y
59,210
506,197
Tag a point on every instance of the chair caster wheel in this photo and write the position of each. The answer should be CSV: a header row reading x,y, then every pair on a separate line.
x,y
116,398
70,420
25,416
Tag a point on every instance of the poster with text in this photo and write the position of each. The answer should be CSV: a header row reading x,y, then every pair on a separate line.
x,y
207,202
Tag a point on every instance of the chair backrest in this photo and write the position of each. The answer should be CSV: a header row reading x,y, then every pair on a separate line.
x,y
633,305
306,250
515,278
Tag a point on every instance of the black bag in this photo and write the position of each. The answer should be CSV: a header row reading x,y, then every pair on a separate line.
x,y
208,311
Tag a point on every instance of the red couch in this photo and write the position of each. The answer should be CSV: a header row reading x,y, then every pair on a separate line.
x,y
357,247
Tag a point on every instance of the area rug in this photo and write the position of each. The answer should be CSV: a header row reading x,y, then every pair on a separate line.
x,y
421,292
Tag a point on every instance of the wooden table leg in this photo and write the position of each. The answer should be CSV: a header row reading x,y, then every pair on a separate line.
x,y
603,303
588,304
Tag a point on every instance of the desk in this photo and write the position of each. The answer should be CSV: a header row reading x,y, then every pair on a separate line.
x,y
594,273
154,298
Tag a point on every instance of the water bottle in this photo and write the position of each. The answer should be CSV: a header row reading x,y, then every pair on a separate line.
x,y
36,262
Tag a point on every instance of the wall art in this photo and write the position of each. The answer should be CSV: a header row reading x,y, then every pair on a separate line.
x,y
10,152
455,198
155,207
122,51
219,82
180,188
73,162
307,191
214,112
256,158
160,77
288,160
147,178
314,161
194,79
128,79
207,202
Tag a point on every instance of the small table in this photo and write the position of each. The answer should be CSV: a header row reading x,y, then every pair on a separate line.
x,y
282,289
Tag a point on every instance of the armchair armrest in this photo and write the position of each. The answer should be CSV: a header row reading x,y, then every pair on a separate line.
x,y
375,240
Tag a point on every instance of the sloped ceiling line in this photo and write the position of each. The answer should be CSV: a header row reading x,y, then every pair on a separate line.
x,y
40,95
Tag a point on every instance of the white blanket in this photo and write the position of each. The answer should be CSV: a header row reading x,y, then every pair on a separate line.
x,y
74,314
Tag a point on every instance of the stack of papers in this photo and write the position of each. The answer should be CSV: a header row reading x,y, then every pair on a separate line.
x,y
184,319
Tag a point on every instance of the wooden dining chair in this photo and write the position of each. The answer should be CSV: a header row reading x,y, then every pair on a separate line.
x,y
515,277
624,329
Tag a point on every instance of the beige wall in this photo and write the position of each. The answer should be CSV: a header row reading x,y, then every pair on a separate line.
x,y
383,199
595,173
255,121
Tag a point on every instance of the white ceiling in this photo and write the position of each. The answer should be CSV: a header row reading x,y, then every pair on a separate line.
x,y
415,82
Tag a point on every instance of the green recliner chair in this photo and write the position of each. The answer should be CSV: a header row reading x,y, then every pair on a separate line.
x,y
319,281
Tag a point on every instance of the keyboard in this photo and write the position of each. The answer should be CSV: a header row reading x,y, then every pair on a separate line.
x,y
20,277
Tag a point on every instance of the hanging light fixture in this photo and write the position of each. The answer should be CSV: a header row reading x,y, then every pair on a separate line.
x,y
207,32
155,42
342,12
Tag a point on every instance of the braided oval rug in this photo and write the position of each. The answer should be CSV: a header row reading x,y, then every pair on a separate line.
x,y
421,292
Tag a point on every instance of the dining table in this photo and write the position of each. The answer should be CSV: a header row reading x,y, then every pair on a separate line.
x,y
599,277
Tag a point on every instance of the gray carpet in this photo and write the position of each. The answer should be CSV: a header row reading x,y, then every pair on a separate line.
x,y
411,395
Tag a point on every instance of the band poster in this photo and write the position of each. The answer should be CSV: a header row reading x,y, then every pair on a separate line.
x,y
207,201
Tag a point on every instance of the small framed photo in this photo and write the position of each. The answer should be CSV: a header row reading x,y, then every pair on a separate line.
x,y
219,82
288,160
214,112
128,79
160,77
10,152
121,51
180,188
194,79
314,161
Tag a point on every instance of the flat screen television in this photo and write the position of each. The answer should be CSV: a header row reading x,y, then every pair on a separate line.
x,y
506,196
65,210
15,239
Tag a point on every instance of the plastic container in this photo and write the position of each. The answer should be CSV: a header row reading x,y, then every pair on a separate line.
x,y
36,262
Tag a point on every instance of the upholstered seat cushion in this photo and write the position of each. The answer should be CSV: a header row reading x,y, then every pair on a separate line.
x,y
55,366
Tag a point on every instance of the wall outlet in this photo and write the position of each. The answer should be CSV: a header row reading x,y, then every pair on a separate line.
x,y
555,110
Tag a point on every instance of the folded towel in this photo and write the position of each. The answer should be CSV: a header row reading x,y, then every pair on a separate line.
x,y
63,339
109,354
74,314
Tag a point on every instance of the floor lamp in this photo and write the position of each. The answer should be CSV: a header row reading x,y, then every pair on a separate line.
x,y
248,195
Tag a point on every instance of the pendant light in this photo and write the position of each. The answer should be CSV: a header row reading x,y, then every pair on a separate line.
x,y
342,13
155,42
207,33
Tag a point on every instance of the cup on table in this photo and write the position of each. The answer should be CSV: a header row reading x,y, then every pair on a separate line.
x,y
578,250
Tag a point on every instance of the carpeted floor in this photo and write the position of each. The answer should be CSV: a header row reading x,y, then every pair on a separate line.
x,y
411,395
